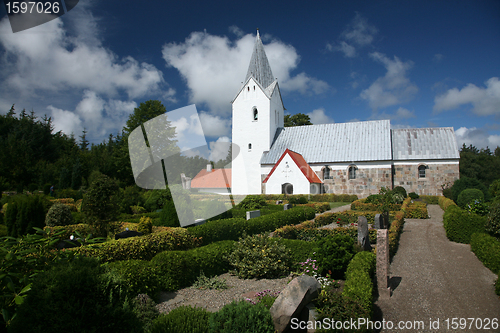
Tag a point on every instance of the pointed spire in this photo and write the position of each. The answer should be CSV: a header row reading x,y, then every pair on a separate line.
x,y
259,66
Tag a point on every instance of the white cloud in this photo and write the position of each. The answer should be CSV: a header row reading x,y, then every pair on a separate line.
x,y
214,126
318,116
46,58
213,67
98,116
485,101
358,33
480,138
401,113
219,149
393,88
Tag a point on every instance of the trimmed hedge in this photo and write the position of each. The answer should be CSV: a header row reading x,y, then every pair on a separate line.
x,y
171,270
395,231
361,205
300,250
143,247
487,249
430,199
414,210
460,224
444,203
182,319
326,197
358,284
233,229
319,207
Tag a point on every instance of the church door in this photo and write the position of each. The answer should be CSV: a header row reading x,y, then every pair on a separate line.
x,y
287,189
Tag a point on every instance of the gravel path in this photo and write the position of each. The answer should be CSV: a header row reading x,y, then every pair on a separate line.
x,y
214,300
434,278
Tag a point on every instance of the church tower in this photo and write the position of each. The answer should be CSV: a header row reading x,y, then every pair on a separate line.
x,y
258,112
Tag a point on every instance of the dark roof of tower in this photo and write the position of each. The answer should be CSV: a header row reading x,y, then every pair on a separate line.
x,y
259,66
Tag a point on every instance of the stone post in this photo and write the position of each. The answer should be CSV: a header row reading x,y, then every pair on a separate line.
x,y
378,224
384,290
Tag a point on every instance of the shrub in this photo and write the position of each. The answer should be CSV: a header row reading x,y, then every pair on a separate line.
x,y
416,210
334,254
337,308
465,183
444,203
181,268
241,317
204,282
469,195
145,310
359,275
251,202
145,225
259,256
487,249
414,195
395,231
460,224
168,215
430,199
130,196
23,214
75,294
137,210
156,199
182,319
233,229
493,222
59,214
300,250
376,199
139,276
494,190
99,206
400,190
477,207
143,248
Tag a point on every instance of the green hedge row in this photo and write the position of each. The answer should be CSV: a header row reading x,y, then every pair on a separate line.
x,y
326,197
233,229
430,199
171,270
460,224
361,205
487,249
358,284
142,248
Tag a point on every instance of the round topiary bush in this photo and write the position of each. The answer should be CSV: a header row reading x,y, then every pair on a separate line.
x,y
465,183
59,214
493,222
252,202
401,190
468,195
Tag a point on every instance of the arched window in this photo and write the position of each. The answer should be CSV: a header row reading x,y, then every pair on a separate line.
x,y
421,171
255,114
326,172
249,146
352,172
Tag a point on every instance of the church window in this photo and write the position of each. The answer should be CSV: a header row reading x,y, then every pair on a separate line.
x,y
255,114
352,172
421,171
326,172
248,88
253,88
249,146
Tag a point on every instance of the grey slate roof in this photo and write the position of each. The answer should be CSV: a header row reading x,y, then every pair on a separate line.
x,y
327,143
424,143
259,66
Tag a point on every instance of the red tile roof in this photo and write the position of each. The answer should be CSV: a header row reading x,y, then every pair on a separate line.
x,y
217,178
311,176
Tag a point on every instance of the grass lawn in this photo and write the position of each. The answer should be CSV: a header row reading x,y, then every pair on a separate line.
x,y
338,204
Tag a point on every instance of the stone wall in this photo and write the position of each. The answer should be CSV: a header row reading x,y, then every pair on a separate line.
x,y
407,176
368,181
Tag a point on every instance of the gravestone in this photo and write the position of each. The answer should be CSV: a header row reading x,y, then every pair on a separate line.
x,y
287,206
379,222
279,202
292,300
363,234
252,214
383,263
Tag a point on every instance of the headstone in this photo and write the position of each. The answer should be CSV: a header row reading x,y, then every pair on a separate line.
x,y
67,243
279,202
363,234
386,220
292,300
253,214
287,206
379,222
383,263
127,234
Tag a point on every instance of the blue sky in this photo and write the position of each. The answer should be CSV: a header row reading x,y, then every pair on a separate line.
x,y
418,63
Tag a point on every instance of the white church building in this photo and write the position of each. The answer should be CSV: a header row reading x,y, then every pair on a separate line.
x,y
341,158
